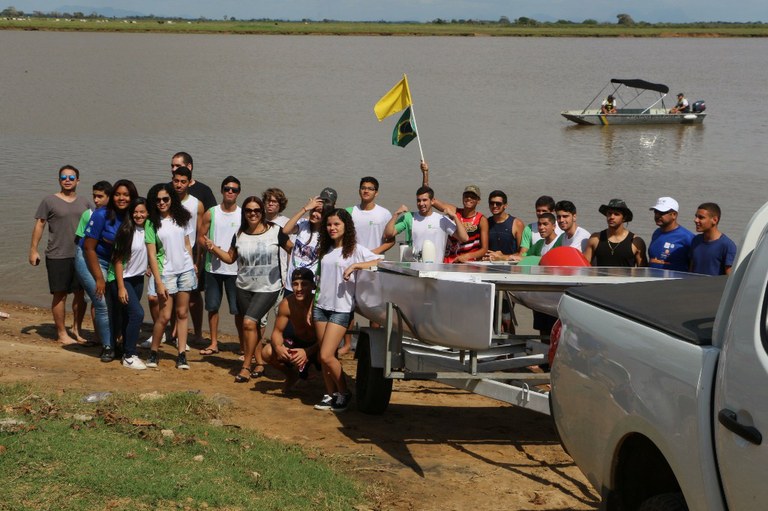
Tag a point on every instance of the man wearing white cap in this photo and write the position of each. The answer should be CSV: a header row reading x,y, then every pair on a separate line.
x,y
670,246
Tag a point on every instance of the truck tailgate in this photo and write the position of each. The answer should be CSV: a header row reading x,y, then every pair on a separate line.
x,y
684,309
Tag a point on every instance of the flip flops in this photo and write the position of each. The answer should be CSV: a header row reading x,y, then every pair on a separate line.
x,y
209,351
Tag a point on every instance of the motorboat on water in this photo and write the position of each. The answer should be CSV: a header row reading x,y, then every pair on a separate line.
x,y
639,102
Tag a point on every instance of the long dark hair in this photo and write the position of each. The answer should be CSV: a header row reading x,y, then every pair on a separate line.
x,y
124,235
178,212
348,239
112,211
244,218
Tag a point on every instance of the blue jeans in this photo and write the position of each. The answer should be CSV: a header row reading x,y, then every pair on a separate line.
x,y
100,307
127,319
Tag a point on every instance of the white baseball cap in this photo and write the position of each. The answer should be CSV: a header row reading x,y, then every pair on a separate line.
x,y
664,204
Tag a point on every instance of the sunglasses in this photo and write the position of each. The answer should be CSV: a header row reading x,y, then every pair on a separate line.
x,y
250,211
65,177
232,189
164,200
495,203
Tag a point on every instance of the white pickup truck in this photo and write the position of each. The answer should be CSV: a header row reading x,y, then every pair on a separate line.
x,y
660,389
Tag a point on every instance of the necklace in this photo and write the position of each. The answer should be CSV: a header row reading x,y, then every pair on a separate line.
x,y
612,247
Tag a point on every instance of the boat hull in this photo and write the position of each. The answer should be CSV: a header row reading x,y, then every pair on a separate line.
x,y
598,119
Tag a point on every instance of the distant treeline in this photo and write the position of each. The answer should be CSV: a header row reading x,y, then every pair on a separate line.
x,y
622,19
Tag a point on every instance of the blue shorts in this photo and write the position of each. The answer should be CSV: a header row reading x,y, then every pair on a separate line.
x,y
180,282
326,316
214,282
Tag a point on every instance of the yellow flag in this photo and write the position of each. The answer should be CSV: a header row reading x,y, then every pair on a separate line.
x,y
398,98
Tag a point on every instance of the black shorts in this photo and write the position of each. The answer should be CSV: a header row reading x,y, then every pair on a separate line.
x,y
254,306
61,275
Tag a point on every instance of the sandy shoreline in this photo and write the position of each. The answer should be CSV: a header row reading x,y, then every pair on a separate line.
x,y
436,448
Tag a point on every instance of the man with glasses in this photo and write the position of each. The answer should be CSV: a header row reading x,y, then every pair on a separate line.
x,y
370,219
61,211
220,224
670,246
505,232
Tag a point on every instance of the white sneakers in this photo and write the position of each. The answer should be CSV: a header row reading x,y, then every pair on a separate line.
x,y
134,362
148,343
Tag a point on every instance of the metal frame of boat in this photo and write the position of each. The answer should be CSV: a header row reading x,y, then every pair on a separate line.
x,y
632,110
438,324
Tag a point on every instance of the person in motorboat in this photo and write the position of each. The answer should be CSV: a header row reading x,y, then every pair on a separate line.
x,y
609,105
682,106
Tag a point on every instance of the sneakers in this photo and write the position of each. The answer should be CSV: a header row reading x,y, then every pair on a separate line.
x,y
148,343
325,404
152,360
181,361
107,354
340,402
176,344
133,362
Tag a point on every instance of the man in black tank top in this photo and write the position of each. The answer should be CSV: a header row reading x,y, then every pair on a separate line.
x,y
616,246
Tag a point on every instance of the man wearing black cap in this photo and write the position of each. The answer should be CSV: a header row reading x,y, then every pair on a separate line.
x,y
682,106
616,246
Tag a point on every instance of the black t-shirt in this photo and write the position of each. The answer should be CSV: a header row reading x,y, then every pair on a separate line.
x,y
204,194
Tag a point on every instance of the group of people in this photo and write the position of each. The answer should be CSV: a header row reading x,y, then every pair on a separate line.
x,y
610,105
196,250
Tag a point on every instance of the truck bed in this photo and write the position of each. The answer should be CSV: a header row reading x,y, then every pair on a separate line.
x,y
682,308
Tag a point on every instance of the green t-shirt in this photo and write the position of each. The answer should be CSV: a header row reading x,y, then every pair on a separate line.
x,y
537,247
84,219
405,223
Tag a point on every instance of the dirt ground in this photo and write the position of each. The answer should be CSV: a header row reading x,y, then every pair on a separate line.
x,y
435,448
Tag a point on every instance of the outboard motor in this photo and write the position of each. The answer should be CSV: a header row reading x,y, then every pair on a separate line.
x,y
698,107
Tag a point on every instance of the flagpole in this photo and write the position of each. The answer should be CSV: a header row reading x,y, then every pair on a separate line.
x,y
416,129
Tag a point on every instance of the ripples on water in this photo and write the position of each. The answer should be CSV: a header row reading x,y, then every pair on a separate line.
x,y
296,112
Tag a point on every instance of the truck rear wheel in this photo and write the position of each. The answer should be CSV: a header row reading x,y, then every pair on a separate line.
x,y
664,502
373,390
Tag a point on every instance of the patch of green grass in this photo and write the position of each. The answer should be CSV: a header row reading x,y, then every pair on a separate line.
x,y
541,29
59,453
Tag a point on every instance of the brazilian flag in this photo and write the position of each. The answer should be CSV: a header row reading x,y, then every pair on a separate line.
x,y
404,131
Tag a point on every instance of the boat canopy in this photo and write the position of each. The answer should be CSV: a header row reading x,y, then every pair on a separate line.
x,y
642,84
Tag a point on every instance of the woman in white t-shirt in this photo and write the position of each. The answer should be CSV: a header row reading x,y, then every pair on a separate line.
x,y
306,231
125,280
340,257
256,248
169,235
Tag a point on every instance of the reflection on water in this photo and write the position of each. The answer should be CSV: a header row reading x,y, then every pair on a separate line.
x,y
296,112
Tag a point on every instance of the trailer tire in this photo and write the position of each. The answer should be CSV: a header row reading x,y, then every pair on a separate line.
x,y
373,390
664,502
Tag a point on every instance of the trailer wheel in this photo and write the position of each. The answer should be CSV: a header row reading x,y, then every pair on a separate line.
x,y
664,502
373,390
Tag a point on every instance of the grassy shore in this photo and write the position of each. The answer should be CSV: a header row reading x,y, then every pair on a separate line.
x,y
168,452
388,29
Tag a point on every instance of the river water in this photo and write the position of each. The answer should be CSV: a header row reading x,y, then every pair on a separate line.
x,y
296,112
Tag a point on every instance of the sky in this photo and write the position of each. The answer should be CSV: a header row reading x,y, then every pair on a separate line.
x,y
422,10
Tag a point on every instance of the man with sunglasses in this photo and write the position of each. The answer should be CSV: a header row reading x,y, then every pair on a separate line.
x,y
61,211
220,224
505,232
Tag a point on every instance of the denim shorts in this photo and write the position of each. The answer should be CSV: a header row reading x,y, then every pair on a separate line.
x,y
180,282
326,316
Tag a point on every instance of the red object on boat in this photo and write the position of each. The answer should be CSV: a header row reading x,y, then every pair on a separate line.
x,y
564,256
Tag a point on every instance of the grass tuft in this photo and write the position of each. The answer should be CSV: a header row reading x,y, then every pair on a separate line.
x,y
57,452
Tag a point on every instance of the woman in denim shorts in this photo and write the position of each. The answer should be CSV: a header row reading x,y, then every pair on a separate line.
x,y
340,257
169,251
